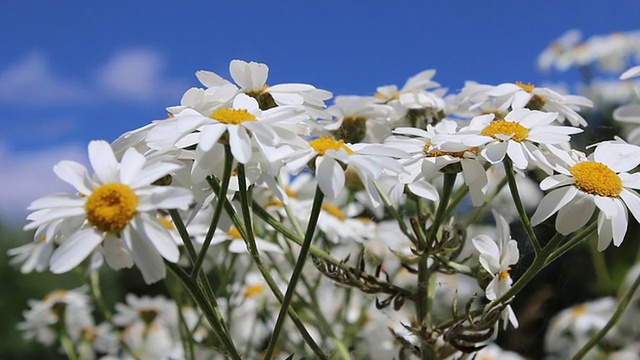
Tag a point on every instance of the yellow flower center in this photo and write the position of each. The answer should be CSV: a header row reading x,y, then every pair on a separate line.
x,y
381,96
60,293
253,290
273,202
578,311
322,144
333,210
528,87
110,207
505,274
234,233
512,130
596,179
232,116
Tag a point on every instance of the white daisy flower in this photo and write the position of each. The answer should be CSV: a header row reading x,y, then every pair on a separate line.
x,y
496,257
331,159
240,126
69,307
571,328
359,119
603,181
515,136
413,101
252,79
513,96
117,212
431,161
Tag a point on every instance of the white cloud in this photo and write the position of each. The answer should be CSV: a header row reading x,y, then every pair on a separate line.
x,y
32,82
131,75
27,176
137,74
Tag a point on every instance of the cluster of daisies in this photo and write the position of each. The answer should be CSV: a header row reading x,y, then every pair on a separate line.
x,y
368,155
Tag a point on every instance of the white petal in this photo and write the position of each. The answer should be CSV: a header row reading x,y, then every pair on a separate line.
x,y
424,189
632,200
74,250
628,113
619,223
630,180
103,161
476,179
153,172
575,215
552,202
240,143
605,232
633,72
116,253
554,181
146,257
75,174
330,176
130,166
210,135
165,197
607,205
494,153
150,228
516,154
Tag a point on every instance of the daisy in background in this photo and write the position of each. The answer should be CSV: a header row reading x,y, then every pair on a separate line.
x,y
496,257
43,319
600,181
116,212
359,119
513,96
519,136
413,103
630,113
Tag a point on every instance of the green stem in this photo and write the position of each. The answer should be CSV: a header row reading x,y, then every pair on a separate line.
x,y
67,344
297,270
222,196
210,311
622,306
423,297
247,236
396,215
513,186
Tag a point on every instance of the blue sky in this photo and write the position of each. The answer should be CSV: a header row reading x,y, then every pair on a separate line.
x,y
73,71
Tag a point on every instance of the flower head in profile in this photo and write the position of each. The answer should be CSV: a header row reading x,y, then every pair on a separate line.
x,y
496,257
251,78
45,318
518,136
116,212
600,181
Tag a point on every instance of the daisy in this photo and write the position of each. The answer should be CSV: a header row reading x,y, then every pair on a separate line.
x,y
432,161
603,181
516,136
239,125
116,212
413,102
70,308
513,96
496,257
251,77
332,160
359,119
